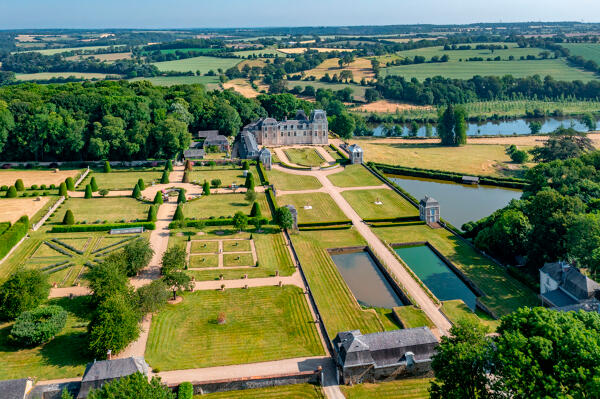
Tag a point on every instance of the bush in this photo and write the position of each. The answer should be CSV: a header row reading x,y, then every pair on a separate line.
x,y
69,218
519,156
169,166
88,191
25,289
158,200
152,213
19,185
34,187
70,183
255,210
181,196
13,235
107,167
39,326
152,297
4,188
205,188
12,192
101,227
186,177
215,183
133,386
178,213
165,177
62,189
136,193
141,184
245,165
104,192
137,255
185,391
249,184
93,184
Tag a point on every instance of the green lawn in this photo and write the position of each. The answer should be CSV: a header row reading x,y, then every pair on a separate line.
x,y
227,176
202,64
121,180
236,260
97,210
589,51
262,324
225,205
324,208
558,69
504,294
65,356
271,252
393,205
204,260
339,308
412,317
412,388
297,391
236,246
456,310
287,181
198,247
455,55
210,82
354,176
304,156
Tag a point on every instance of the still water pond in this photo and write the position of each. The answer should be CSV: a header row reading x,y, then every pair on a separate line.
x,y
491,128
366,281
459,203
436,275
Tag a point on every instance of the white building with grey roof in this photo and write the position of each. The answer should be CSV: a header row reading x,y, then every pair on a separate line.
x,y
301,130
563,285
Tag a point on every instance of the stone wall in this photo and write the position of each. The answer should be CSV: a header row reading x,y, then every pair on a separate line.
x,y
358,375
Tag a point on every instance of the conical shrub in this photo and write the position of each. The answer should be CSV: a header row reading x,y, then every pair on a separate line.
x,y
181,197
165,178
62,189
88,191
70,184
158,198
19,185
12,192
93,184
107,167
255,211
69,218
141,184
169,166
152,213
136,192
178,213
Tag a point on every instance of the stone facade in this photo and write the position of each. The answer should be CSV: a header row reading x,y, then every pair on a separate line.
x,y
264,156
355,153
429,210
299,131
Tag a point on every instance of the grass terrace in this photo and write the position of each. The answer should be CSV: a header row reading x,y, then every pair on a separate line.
x,y
504,294
227,176
288,182
262,324
297,391
225,205
324,208
304,156
97,210
412,317
339,308
8,177
392,204
63,357
354,176
456,310
412,388
122,180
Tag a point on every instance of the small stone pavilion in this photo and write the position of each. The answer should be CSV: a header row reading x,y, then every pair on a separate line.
x,y
429,210
264,156
356,154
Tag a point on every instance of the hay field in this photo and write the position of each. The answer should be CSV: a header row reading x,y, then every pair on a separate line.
x,y
11,209
360,68
39,177
103,57
389,106
242,86
50,75
298,50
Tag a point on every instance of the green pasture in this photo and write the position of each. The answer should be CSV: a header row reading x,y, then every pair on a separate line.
x,y
202,64
589,51
410,388
210,82
304,156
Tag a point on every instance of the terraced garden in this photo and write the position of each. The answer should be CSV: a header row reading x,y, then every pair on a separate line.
x,y
262,324
287,181
323,207
225,205
379,203
122,180
304,156
354,176
98,210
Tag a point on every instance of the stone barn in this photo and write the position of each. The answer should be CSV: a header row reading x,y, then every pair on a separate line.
x,y
384,355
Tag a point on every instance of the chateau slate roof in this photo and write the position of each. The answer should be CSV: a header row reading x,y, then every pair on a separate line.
x,y
194,153
204,134
105,370
301,119
215,140
14,389
429,201
559,298
571,280
354,148
248,146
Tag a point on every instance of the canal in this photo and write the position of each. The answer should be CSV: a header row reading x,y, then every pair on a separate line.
x,y
459,203
366,281
436,275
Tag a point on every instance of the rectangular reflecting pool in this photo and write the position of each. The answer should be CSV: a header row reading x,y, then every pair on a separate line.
x,y
436,274
366,281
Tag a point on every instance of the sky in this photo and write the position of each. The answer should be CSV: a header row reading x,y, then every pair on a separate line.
x,y
88,14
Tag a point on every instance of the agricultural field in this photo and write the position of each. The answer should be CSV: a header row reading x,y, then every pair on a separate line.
x,y
226,205
122,180
11,209
63,357
589,51
8,177
287,181
411,388
313,207
202,64
97,210
364,202
53,51
109,57
557,68
259,52
358,92
271,251
51,75
304,156
354,176
297,391
211,82
261,324
337,305
360,68
227,176
473,159
299,50
243,87
504,294
387,106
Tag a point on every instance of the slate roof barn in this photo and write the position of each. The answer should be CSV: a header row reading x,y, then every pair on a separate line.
x,y
563,285
248,148
98,373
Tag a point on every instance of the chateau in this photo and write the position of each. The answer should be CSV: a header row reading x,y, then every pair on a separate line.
x,y
301,130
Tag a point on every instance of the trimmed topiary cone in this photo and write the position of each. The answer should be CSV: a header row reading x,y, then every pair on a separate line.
x,y
88,191
70,184
141,184
136,192
19,186
107,167
12,192
158,198
178,213
165,178
69,218
93,184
